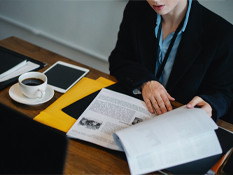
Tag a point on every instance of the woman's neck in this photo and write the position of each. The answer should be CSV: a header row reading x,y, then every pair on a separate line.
x,y
173,18
171,21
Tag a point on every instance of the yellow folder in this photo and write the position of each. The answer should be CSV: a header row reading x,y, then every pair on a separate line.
x,y
53,115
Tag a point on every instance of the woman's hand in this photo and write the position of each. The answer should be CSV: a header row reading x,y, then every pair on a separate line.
x,y
156,97
199,102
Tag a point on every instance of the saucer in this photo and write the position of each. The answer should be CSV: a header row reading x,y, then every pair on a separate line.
x,y
16,94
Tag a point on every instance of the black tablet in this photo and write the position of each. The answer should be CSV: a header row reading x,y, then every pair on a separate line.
x,y
62,76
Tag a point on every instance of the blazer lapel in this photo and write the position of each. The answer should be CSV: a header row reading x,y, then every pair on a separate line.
x,y
189,48
148,44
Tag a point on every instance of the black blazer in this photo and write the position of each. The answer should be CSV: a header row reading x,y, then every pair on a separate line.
x,y
203,65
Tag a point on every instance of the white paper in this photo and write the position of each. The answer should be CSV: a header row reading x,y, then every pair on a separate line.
x,y
176,137
165,129
26,68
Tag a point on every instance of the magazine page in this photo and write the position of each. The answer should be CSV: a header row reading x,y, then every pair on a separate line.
x,y
179,136
109,112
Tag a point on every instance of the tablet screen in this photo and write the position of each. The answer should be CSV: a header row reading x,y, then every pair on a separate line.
x,y
63,76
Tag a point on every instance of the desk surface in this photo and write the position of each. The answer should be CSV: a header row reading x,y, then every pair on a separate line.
x,y
82,157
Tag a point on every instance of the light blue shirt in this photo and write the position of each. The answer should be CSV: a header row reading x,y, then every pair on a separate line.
x,y
163,47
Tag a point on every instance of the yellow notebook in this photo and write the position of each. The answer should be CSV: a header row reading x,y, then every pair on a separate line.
x,y
53,115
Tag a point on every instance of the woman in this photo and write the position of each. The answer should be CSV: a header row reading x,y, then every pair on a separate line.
x,y
197,70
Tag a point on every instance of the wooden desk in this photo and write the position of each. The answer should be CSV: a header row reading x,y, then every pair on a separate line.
x,y
82,157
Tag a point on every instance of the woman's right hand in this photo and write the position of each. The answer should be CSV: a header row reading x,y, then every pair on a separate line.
x,y
156,97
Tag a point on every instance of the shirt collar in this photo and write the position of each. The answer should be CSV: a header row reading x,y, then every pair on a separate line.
x,y
185,21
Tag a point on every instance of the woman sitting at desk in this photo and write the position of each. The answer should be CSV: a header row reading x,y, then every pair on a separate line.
x,y
175,50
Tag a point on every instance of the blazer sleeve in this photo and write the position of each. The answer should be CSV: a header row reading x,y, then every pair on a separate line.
x,y
125,61
217,87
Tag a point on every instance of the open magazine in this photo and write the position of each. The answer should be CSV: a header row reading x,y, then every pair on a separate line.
x,y
150,142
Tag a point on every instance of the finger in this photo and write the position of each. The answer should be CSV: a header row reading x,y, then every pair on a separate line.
x,y
207,109
149,105
156,106
170,97
193,102
166,102
160,103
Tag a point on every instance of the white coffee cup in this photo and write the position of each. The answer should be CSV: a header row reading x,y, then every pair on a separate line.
x,y
33,84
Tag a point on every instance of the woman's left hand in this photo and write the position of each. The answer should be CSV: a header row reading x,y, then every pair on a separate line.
x,y
199,102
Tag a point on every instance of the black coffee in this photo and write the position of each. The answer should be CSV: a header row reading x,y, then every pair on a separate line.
x,y
32,81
